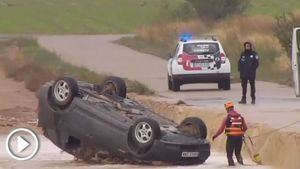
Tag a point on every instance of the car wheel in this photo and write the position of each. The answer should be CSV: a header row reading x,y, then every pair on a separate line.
x,y
175,85
114,86
169,83
64,89
226,84
143,134
220,85
193,126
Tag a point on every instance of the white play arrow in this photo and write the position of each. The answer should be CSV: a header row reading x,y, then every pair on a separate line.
x,y
22,144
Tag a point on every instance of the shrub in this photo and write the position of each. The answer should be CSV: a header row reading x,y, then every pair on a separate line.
x,y
218,9
283,29
184,12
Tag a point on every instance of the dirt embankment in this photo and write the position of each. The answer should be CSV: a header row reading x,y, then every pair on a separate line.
x,y
17,105
277,148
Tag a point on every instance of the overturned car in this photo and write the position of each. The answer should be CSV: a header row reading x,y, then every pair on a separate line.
x,y
86,120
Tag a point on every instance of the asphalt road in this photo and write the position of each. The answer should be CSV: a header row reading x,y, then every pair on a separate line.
x,y
276,104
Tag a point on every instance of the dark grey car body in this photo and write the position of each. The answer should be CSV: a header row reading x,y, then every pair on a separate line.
x,y
90,123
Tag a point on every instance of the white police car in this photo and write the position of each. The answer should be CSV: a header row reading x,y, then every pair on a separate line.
x,y
200,60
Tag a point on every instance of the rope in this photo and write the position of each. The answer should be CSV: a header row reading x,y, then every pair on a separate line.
x,y
275,130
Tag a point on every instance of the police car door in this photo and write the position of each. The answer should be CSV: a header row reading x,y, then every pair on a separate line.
x,y
296,59
173,57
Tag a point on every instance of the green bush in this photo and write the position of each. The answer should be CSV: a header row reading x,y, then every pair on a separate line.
x,y
218,9
184,12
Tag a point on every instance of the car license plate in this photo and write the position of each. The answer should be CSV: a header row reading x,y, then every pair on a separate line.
x,y
201,64
190,154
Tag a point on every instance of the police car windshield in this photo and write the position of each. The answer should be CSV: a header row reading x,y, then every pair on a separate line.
x,y
200,48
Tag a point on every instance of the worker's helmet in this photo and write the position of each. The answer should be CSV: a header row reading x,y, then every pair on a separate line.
x,y
228,105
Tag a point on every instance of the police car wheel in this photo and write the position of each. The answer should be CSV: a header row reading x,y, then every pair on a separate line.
x,y
169,83
226,84
175,85
220,85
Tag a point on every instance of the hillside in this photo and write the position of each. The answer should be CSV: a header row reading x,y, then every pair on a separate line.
x,y
272,7
81,17
103,16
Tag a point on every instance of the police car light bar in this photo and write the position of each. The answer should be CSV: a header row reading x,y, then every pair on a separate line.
x,y
185,37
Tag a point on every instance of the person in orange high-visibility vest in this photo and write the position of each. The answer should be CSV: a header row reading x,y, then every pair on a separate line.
x,y
235,127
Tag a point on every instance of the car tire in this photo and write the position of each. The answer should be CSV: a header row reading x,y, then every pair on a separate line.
x,y
226,84
64,90
175,85
194,126
220,85
143,134
169,83
114,86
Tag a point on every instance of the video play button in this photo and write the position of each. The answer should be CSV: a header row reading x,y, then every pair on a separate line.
x,y
22,144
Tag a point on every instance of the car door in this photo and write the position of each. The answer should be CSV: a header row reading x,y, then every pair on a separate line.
x,y
296,59
172,58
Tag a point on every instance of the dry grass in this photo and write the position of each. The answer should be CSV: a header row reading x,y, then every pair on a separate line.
x,y
274,61
165,33
160,39
27,70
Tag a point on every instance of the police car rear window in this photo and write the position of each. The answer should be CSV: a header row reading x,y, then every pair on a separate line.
x,y
201,48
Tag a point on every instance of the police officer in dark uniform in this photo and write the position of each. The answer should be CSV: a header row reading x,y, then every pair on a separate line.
x,y
235,127
247,67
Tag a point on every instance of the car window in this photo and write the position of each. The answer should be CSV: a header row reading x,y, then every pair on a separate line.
x,y
176,50
201,48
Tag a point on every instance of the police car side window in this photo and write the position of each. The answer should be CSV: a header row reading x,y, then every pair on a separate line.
x,y
298,39
176,50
